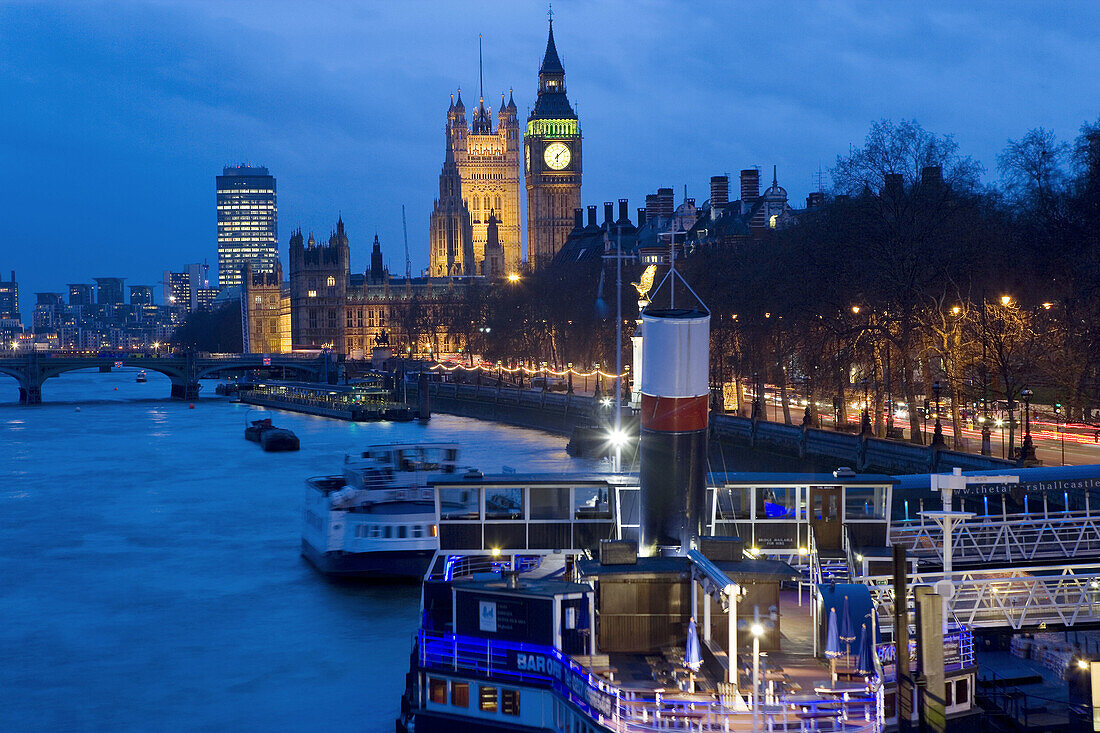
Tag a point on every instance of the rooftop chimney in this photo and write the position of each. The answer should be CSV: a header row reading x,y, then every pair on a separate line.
x,y
641,218
578,219
931,175
608,213
592,216
719,194
624,215
750,185
664,201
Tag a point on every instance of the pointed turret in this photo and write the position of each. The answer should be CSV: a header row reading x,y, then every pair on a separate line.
x,y
511,102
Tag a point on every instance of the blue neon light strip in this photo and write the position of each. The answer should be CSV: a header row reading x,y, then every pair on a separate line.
x,y
490,658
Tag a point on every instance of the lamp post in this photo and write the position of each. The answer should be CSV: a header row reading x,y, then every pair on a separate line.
x,y
807,417
1027,450
865,421
937,433
1061,429
757,631
755,396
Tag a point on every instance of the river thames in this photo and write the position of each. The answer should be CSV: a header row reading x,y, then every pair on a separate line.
x,y
150,566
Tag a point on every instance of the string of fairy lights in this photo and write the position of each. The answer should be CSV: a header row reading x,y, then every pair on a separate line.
x,y
493,369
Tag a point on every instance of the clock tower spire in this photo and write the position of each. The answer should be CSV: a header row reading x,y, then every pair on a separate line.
x,y
552,161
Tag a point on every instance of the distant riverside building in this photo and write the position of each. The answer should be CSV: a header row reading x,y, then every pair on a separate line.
x,y
9,299
318,288
111,324
552,162
265,312
141,295
247,223
181,289
109,290
350,313
205,298
81,294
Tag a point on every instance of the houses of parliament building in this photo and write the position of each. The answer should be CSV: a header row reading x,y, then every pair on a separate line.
x,y
475,232
480,181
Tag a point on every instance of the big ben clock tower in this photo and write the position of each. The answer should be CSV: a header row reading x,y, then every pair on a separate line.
x,y
552,162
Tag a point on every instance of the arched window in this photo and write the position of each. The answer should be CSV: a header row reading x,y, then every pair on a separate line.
x,y
487,205
497,204
331,282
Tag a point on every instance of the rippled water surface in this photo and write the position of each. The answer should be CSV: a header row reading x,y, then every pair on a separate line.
x,y
149,570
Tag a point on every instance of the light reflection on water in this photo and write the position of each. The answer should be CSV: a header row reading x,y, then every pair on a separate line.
x,y
151,577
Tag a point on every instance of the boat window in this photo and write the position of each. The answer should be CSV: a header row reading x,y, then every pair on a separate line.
x,y
590,502
503,503
375,531
418,530
487,699
962,691
388,532
865,502
437,690
459,504
460,694
776,503
509,702
402,532
549,502
733,503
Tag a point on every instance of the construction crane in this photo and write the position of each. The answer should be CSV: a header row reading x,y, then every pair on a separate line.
x,y
405,229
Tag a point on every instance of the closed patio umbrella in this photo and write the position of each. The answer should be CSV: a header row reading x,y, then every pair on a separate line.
x,y
693,657
865,665
832,643
847,633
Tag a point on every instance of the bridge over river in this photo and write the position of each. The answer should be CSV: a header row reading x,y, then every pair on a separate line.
x,y
183,369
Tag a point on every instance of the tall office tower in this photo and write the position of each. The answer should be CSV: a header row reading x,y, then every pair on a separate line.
x,y
552,159
247,229
109,290
81,294
9,299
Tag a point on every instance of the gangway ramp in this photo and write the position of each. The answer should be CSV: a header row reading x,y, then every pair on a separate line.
x,y
1004,538
1016,598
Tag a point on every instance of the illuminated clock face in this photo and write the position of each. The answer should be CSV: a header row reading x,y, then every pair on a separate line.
x,y
557,156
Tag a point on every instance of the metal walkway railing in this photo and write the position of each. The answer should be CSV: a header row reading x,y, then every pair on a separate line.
x,y
1010,538
1017,598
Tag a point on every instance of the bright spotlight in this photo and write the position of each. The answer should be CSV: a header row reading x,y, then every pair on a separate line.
x,y
757,630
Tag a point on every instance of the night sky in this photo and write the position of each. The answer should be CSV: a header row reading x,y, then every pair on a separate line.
x,y
118,116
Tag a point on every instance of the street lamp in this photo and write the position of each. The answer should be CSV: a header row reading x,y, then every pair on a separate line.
x,y
1027,450
937,433
865,426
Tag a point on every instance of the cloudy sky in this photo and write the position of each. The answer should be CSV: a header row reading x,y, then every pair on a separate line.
x,y
117,116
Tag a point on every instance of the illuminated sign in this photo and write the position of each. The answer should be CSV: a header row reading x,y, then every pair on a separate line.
x,y
267,361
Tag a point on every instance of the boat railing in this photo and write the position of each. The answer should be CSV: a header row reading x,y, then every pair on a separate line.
x,y
625,709
958,652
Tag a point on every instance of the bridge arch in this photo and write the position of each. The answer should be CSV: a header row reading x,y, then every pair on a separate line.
x,y
307,369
